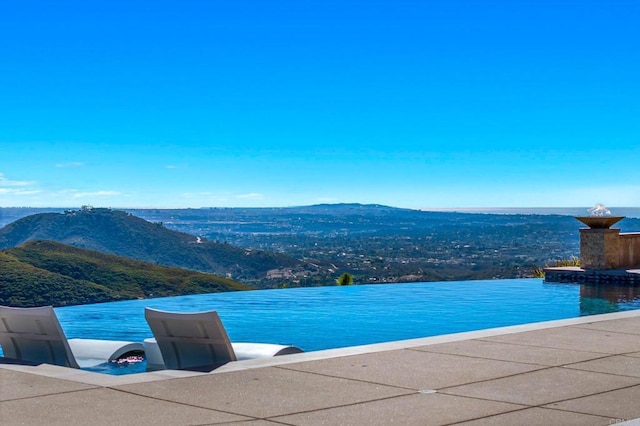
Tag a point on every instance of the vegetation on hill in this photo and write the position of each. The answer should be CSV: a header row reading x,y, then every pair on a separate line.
x,y
538,271
24,285
259,246
49,273
123,234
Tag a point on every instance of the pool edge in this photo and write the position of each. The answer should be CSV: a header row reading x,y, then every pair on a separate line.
x,y
105,380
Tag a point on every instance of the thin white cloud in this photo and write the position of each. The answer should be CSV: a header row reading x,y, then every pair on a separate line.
x,y
170,166
17,188
250,196
4,182
70,165
19,191
97,194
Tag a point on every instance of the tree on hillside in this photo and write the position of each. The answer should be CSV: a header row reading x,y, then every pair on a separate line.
x,y
345,279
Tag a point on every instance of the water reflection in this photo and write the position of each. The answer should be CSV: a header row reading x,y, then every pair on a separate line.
x,y
605,298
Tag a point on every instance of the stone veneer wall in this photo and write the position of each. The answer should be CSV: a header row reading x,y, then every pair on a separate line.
x,y
609,249
599,248
606,257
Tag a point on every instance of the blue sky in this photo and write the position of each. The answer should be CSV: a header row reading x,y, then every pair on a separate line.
x,y
280,103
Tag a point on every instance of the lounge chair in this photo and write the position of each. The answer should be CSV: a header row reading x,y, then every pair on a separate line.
x,y
34,336
198,341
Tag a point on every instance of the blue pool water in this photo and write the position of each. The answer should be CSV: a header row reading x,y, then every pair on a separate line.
x,y
333,317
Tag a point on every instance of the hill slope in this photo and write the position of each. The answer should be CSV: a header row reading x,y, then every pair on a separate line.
x,y
123,234
49,273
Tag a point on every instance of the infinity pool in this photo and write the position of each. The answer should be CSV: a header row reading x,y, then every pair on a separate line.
x,y
333,317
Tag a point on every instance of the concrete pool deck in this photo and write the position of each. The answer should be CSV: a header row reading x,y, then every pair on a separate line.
x,y
581,371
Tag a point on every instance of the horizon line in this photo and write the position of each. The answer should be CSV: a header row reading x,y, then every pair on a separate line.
x,y
477,208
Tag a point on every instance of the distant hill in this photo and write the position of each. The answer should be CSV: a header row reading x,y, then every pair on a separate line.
x,y
48,273
372,242
123,234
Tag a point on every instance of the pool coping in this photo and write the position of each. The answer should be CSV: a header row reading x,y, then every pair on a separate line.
x,y
106,380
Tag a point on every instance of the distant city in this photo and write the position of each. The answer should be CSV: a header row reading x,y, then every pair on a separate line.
x,y
10,214
379,244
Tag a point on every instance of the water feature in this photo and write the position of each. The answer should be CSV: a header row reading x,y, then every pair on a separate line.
x,y
599,217
599,210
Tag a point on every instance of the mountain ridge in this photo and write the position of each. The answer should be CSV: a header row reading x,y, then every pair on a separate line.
x,y
123,234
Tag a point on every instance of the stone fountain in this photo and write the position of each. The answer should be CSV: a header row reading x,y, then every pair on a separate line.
x,y
599,222
599,245
599,218
606,255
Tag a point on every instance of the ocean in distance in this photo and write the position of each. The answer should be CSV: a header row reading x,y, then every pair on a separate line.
x,y
561,211
15,213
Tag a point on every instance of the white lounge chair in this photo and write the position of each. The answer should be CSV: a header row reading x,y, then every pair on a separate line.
x,y
198,341
34,336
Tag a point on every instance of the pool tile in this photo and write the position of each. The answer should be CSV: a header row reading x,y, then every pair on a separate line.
x,y
617,405
107,407
414,369
264,392
415,409
620,364
573,338
510,352
544,386
539,416
16,385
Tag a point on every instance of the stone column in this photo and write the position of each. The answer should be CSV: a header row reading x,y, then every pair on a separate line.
x,y
599,248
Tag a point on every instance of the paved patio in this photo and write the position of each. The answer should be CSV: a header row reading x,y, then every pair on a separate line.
x,y
583,371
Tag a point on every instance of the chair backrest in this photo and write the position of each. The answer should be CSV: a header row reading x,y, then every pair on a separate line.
x,y
34,335
190,341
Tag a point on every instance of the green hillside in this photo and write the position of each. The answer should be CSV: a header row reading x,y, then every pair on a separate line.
x,y
49,273
123,234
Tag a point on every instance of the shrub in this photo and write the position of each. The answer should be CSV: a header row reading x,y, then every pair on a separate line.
x,y
345,279
538,272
